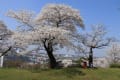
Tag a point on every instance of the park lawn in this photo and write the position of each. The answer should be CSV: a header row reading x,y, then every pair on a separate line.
x,y
60,74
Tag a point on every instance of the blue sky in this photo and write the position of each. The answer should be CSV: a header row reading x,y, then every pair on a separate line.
x,y
105,12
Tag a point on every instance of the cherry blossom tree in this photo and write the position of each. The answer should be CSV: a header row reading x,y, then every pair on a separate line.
x,y
96,39
51,28
5,46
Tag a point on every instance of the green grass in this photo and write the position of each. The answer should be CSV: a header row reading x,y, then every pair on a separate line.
x,y
60,74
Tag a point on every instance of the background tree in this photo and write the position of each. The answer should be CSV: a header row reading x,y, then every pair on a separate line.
x,y
5,44
94,40
114,53
49,28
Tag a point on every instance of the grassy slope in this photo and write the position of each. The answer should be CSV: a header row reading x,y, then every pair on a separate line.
x,y
62,74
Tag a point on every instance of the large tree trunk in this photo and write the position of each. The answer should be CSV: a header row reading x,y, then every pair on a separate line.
x,y
49,49
52,60
91,58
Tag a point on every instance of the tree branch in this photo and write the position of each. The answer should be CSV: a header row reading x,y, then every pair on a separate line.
x,y
3,53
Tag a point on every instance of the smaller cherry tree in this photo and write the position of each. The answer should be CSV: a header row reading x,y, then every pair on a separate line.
x,y
94,40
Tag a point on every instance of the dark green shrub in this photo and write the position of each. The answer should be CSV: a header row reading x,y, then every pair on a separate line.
x,y
115,65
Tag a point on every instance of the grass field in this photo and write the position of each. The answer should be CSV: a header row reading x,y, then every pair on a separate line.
x,y
60,74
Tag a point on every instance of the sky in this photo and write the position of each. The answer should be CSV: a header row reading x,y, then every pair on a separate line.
x,y
105,12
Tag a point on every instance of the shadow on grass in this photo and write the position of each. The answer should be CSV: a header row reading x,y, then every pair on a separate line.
x,y
38,70
68,72
71,72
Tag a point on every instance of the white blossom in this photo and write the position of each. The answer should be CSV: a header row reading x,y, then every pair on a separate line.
x,y
35,37
5,35
24,17
60,15
36,29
